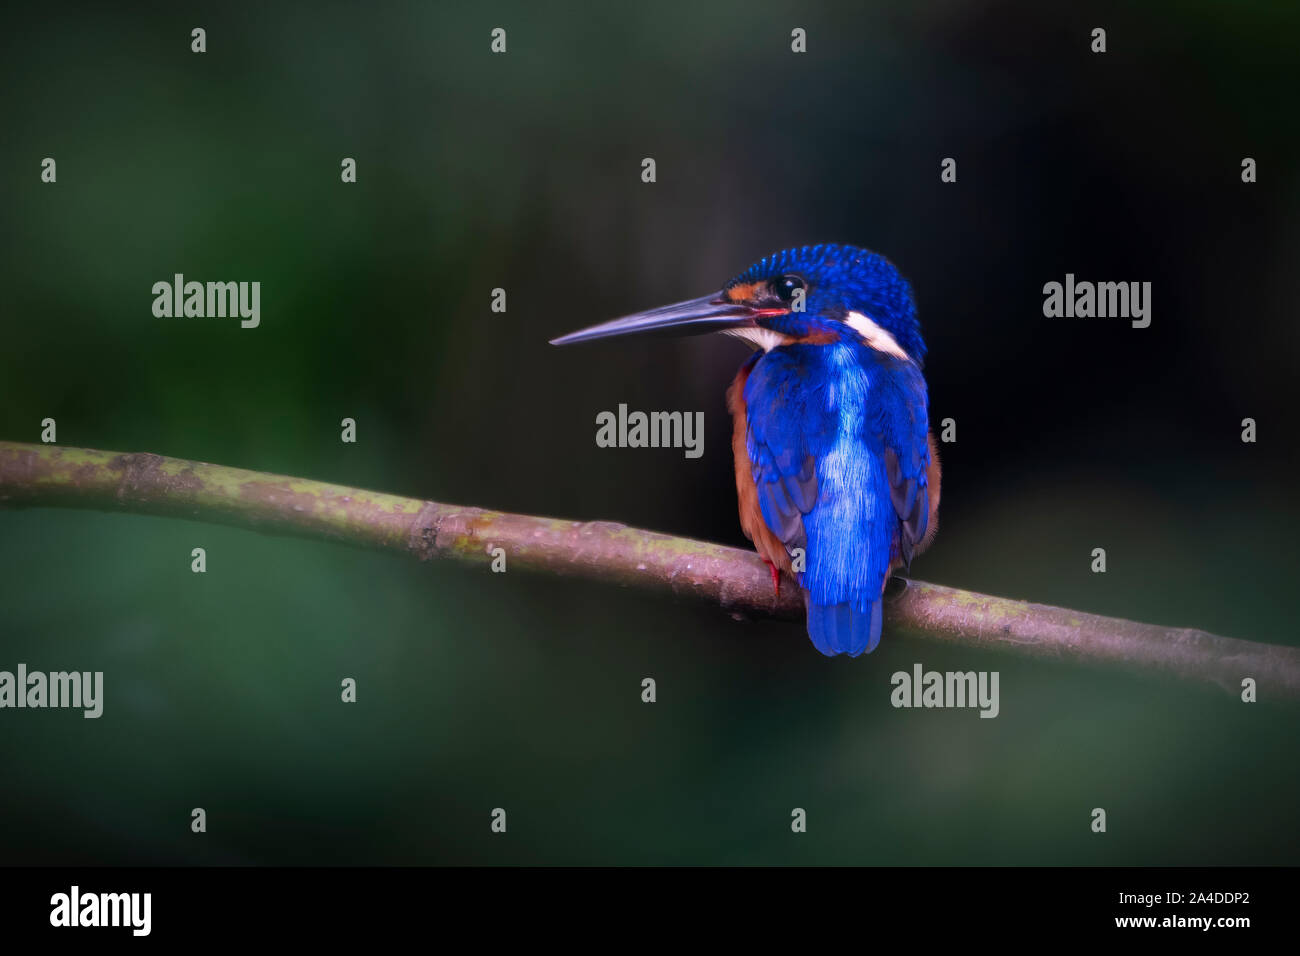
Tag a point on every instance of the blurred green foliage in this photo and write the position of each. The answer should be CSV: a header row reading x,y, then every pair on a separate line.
x,y
521,171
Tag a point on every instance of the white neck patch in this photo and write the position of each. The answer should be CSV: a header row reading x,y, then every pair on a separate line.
x,y
875,336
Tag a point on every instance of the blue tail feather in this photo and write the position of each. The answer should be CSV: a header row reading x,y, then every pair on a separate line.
x,y
845,628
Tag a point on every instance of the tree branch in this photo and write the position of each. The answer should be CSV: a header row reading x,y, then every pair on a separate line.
x,y
736,580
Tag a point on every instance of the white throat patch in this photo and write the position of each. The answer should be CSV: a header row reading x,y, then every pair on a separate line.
x,y
761,338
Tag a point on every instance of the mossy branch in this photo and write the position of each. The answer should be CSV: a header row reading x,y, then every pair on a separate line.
x,y
734,579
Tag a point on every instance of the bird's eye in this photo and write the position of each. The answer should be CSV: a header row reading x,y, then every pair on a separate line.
x,y
785,287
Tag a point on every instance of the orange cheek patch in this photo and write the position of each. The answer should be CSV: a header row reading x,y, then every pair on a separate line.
x,y
745,292
818,338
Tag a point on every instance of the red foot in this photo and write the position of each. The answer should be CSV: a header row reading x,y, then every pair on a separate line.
x,y
776,578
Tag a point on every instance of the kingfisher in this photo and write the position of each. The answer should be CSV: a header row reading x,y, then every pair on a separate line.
x,y
837,473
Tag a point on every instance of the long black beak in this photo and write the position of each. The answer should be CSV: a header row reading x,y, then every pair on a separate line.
x,y
710,313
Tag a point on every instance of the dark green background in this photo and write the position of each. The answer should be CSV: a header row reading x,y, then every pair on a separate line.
x,y
522,171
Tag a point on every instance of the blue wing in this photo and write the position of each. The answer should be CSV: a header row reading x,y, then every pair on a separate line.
x,y
837,441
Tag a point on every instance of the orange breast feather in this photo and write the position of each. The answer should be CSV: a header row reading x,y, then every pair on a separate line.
x,y
767,544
